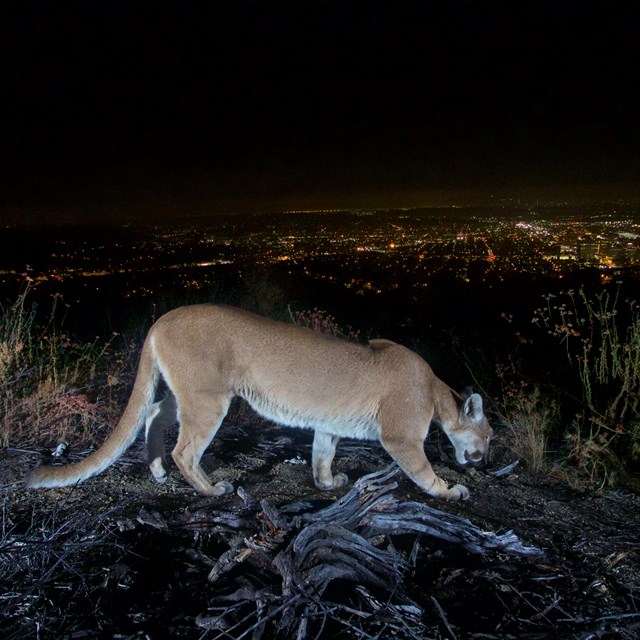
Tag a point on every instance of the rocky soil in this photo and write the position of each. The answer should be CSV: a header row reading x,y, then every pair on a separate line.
x,y
123,557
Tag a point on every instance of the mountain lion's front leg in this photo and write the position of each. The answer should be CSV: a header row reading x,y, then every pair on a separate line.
x,y
323,452
410,456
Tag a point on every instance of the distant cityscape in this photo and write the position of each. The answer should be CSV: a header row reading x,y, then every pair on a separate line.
x,y
363,251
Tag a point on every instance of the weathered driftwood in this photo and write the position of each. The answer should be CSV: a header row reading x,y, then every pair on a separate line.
x,y
368,505
307,552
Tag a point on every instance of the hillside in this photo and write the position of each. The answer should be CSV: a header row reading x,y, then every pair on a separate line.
x,y
123,556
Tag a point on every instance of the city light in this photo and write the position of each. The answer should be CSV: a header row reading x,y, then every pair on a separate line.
x,y
378,252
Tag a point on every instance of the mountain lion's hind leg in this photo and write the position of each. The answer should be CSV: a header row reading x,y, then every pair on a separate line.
x,y
322,454
410,456
200,418
163,414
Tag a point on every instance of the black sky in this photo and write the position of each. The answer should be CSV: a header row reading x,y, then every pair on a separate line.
x,y
161,107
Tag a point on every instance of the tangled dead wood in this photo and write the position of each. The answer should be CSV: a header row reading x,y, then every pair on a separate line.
x,y
305,554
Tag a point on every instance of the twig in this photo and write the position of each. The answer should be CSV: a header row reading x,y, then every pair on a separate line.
x,y
443,616
505,471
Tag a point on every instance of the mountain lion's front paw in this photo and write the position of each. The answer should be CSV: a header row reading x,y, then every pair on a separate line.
x,y
458,492
340,480
337,481
224,487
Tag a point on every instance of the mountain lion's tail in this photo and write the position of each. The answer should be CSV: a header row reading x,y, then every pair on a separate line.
x,y
119,440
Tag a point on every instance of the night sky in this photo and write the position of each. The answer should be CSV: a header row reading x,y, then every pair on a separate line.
x,y
158,108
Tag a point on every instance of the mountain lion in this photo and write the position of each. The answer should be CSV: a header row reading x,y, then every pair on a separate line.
x,y
207,354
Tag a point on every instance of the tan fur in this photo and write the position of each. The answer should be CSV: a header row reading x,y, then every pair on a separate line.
x,y
207,354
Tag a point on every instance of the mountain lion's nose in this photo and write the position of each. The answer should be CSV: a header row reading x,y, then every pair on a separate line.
x,y
476,456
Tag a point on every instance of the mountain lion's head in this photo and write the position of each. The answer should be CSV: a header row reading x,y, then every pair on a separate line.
x,y
472,434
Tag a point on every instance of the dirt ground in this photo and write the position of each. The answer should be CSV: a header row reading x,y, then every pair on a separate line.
x,y
123,557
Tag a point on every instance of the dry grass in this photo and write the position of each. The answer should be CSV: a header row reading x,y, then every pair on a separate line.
x,y
593,456
601,339
530,418
597,395
52,385
50,413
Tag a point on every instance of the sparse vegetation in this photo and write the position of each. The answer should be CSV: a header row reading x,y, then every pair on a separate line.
x,y
529,418
124,565
50,383
601,340
588,397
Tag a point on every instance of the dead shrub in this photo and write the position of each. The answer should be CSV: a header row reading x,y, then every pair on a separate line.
x,y
50,413
52,384
529,418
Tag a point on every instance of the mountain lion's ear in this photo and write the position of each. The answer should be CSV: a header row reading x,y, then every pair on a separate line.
x,y
467,392
473,407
